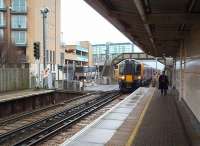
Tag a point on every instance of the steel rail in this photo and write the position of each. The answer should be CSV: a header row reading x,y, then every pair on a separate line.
x,y
67,122
52,118
17,117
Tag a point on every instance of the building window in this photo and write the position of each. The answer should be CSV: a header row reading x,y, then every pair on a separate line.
x,y
1,19
19,21
19,37
54,67
62,58
19,6
54,57
51,56
47,56
2,4
1,34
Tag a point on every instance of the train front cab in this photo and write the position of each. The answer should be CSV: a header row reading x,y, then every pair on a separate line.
x,y
130,76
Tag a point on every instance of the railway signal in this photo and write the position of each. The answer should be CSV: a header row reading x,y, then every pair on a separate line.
x,y
36,47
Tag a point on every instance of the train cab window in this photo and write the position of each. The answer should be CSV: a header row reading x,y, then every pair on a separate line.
x,y
138,69
121,69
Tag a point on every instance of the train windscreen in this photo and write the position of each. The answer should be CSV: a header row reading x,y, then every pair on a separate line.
x,y
128,67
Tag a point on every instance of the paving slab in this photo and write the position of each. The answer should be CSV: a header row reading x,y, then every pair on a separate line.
x,y
161,125
78,143
102,130
123,110
116,116
97,135
109,124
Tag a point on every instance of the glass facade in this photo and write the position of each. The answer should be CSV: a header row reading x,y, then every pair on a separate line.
x,y
2,6
82,58
79,48
19,37
19,6
19,21
99,49
114,49
1,34
82,53
2,23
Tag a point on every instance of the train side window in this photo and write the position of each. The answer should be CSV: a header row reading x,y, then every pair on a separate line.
x,y
138,69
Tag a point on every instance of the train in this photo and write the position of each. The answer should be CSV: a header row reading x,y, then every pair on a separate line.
x,y
132,74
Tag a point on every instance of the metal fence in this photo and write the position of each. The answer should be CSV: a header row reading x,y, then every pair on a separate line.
x,y
14,77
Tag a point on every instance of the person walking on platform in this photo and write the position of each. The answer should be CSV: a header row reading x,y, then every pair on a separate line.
x,y
163,83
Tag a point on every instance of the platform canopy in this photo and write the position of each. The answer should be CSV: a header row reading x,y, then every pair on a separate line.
x,y
158,27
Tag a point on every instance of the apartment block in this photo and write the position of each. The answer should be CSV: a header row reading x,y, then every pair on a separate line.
x,y
21,23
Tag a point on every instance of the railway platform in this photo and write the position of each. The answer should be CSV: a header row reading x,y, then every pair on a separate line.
x,y
15,102
15,95
144,118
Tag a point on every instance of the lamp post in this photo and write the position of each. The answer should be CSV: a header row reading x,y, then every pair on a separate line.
x,y
44,13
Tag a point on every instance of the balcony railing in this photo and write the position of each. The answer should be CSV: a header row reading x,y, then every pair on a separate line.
x,y
20,44
82,49
82,58
2,8
19,27
19,9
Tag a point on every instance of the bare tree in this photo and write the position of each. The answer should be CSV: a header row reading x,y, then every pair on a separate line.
x,y
9,53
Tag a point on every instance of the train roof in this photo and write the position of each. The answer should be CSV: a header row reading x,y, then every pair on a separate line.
x,y
130,60
145,65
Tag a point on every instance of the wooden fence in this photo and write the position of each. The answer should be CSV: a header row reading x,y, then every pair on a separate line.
x,y
14,77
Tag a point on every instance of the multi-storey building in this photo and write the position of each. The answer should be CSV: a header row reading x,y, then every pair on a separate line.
x,y
100,51
21,23
79,54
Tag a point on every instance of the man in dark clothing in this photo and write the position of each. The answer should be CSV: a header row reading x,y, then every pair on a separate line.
x,y
163,83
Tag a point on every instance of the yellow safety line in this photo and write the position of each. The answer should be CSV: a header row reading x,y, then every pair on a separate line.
x,y
135,130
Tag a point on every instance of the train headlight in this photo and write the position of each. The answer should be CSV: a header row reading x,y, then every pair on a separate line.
x,y
139,77
123,77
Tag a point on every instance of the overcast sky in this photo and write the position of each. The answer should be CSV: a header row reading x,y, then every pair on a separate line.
x,y
81,22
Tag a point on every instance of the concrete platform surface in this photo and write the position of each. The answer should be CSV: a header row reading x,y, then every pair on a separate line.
x,y
97,87
161,125
14,95
101,130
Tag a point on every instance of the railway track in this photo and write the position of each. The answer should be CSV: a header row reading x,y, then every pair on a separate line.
x,y
17,121
16,117
36,132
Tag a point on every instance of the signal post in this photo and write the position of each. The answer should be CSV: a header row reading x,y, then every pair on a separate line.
x,y
36,48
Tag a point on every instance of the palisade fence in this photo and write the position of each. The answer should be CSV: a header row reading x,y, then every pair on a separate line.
x,y
14,77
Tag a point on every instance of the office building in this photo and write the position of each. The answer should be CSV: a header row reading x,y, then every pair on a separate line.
x,y
79,54
111,50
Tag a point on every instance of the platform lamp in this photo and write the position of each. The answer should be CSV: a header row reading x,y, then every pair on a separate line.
x,y
44,13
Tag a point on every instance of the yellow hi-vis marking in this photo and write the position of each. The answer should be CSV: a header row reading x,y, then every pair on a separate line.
x,y
135,130
129,78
